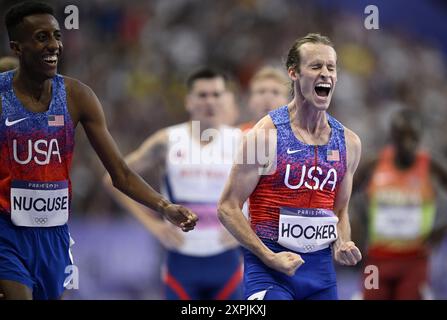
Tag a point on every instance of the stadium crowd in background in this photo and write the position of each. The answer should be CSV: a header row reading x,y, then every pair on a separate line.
x,y
137,54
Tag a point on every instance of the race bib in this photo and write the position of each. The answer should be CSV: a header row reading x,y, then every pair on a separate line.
x,y
39,204
307,230
398,222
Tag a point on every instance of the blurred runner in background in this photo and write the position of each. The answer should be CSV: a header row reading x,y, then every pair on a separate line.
x,y
269,90
204,264
400,186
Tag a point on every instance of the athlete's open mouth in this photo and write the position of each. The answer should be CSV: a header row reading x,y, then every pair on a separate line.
x,y
50,59
323,89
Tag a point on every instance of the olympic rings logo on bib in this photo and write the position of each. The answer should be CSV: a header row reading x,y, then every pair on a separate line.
x,y
309,248
41,220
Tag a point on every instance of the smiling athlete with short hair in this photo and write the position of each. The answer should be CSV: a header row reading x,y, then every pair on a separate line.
x,y
40,110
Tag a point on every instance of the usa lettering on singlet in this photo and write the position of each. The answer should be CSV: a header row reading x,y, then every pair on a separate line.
x,y
294,205
195,177
36,151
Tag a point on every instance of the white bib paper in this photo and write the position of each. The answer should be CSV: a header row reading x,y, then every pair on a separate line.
x,y
39,204
398,222
307,230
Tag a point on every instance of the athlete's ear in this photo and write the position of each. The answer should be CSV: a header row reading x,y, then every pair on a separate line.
x,y
293,73
15,47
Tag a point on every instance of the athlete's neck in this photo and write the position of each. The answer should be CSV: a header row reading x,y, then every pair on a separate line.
x,y
307,117
197,129
29,85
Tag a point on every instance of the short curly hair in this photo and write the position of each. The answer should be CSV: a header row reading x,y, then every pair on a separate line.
x,y
15,15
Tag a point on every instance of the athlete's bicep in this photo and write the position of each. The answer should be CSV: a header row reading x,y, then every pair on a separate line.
x,y
246,171
353,151
92,118
241,183
343,195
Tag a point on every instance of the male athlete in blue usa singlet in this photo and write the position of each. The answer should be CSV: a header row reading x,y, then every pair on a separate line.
x,y
299,199
39,111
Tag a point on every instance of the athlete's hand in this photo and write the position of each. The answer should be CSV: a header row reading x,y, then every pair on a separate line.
x,y
347,254
168,235
181,217
285,262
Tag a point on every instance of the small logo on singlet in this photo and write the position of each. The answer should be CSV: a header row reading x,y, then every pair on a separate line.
x,y
11,123
290,151
55,121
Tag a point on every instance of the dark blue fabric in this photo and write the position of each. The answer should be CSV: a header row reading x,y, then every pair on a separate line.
x,y
35,257
314,280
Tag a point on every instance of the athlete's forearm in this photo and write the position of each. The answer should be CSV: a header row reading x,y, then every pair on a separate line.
x,y
137,189
343,228
149,219
233,219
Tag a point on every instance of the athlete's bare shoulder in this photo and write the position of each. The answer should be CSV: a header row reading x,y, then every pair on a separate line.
x,y
352,138
259,144
353,148
77,89
80,98
263,129
2,90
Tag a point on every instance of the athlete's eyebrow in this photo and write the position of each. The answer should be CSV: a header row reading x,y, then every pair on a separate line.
x,y
47,31
316,61
321,61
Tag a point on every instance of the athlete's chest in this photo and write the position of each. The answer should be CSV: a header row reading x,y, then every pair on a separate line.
x,y
35,105
311,167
